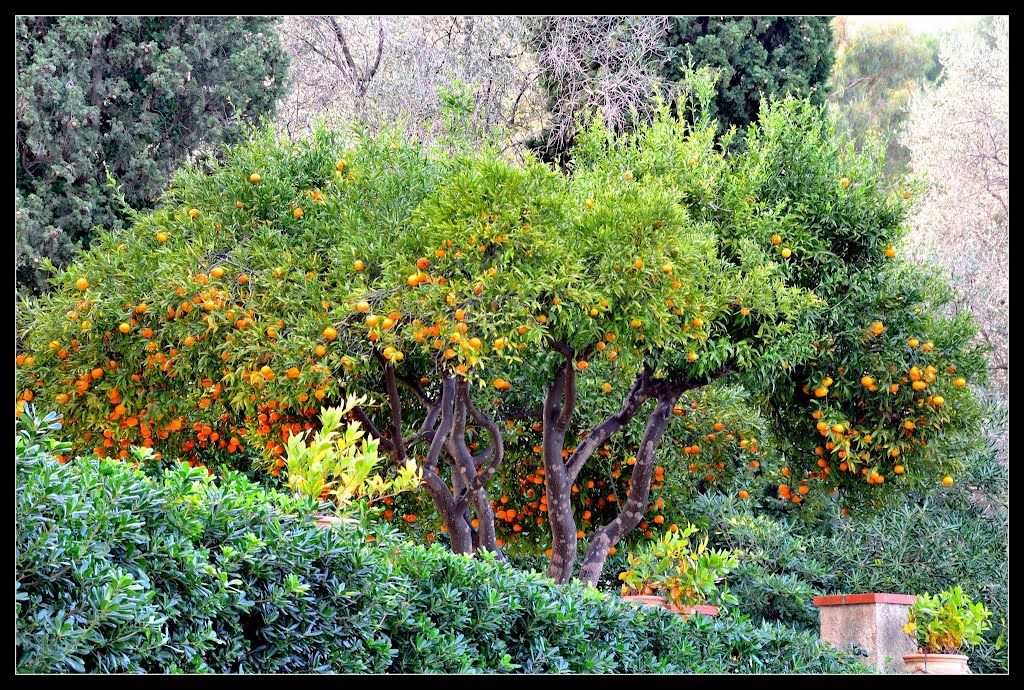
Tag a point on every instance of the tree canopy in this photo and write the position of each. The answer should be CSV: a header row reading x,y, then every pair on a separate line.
x,y
520,327
755,57
877,72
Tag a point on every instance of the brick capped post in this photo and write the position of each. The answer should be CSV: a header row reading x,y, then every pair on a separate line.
x,y
873,621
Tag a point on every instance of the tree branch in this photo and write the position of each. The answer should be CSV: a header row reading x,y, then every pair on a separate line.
x,y
635,398
427,428
497,444
437,443
338,34
370,71
372,430
639,491
568,374
412,385
398,448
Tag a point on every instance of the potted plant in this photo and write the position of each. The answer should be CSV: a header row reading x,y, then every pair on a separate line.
x,y
941,625
679,575
333,465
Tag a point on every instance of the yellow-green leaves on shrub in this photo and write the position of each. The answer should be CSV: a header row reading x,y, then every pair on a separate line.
x,y
336,462
943,623
687,573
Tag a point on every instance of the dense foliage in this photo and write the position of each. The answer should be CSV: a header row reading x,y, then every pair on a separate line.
x,y
756,57
132,97
117,572
947,621
530,338
617,65
935,541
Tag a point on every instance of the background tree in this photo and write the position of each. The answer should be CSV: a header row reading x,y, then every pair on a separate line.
x,y
390,69
534,77
607,64
133,95
959,140
754,57
877,71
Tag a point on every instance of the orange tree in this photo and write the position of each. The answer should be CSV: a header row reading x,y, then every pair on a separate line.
x,y
522,328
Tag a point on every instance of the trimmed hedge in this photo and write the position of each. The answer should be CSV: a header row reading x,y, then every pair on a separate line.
x,y
120,572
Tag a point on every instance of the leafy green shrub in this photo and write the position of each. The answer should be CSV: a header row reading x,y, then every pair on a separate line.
x,y
120,573
336,464
117,572
928,542
777,574
688,575
944,623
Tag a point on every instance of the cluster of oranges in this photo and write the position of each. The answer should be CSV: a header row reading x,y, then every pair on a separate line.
x,y
856,451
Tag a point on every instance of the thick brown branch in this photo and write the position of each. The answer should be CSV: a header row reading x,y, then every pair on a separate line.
x,y
568,375
463,469
484,455
639,491
398,448
371,430
635,398
644,388
370,71
412,385
440,438
498,452
553,397
338,34
426,430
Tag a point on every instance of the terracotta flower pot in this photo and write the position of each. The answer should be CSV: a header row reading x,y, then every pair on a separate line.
x,y
937,664
662,602
327,521
687,611
647,600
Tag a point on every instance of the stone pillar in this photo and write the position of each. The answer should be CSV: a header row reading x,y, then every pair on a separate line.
x,y
873,621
